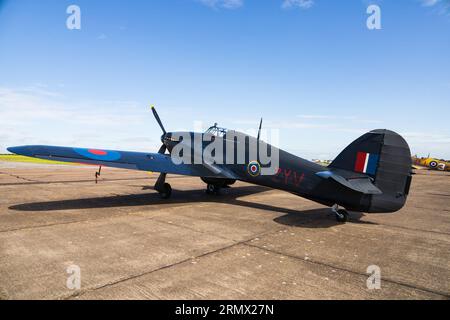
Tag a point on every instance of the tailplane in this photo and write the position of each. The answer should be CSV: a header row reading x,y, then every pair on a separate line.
x,y
385,157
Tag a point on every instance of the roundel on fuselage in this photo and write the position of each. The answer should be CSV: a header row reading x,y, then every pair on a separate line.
x,y
254,168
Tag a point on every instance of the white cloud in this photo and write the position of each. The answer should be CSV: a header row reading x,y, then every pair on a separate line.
x,y
429,3
226,4
441,7
303,4
102,37
338,118
424,143
31,104
40,115
427,137
32,115
320,116
234,4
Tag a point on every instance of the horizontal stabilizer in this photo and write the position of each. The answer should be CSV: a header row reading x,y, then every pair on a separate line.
x,y
360,184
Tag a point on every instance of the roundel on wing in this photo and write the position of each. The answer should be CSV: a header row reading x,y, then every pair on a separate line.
x,y
433,164
254,168
100,155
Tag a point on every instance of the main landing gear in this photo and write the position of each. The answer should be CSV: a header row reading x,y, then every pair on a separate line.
x,y
214,185
164,189
341,214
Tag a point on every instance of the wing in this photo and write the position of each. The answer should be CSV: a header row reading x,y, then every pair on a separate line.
x,y
155,162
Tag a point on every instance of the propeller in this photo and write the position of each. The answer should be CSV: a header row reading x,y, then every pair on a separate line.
x,y
158,120
163,148
161,186
260,127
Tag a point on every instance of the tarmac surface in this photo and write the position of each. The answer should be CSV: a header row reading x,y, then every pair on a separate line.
x,y
249,242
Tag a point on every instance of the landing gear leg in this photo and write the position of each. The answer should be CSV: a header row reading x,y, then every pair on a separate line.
x,y
341,214
164,189
212,189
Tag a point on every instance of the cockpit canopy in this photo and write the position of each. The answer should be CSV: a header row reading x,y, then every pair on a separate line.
x,y
217,131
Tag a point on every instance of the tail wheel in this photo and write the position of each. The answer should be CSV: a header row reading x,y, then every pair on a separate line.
x,y
342,215
166,191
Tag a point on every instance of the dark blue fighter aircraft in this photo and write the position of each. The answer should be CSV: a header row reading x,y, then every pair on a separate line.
x,y
372,175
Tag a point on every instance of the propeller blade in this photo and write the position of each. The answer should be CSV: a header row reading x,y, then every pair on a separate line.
x,y
260,127
158,119
163,149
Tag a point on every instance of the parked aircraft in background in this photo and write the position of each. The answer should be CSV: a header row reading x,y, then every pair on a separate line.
x,y
432,163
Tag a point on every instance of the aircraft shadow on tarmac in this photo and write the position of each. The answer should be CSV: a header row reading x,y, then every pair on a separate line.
x,y
315,218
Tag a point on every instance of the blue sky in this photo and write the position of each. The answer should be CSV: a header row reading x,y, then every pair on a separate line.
x,y
312,69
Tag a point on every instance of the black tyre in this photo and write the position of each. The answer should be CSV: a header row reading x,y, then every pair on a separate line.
x,y
212,189
166,192
342,216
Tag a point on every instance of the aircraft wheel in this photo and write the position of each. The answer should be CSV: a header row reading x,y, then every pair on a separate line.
x,y
166,191
212,189
342,215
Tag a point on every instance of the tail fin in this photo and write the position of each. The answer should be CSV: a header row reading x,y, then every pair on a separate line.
x,y
384,156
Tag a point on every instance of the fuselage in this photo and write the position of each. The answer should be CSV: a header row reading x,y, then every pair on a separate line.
x,y
292,173
224,156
